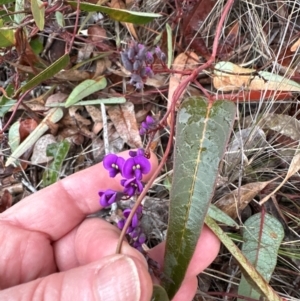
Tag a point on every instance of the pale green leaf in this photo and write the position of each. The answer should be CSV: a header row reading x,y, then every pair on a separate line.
x,y
220,216
85,89
244,264
14,136
120,15
19,6
38,12
262,236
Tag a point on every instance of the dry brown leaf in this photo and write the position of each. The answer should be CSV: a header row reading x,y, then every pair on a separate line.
x,y
79,118
239,198
58,97
121,5
229,77
294,167
295,46
101,66
26,127
184,61
39,155
96,33
95,114
5,200
123,118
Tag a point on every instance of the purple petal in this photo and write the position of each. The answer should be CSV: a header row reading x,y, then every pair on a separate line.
x,y
142,238
127,170
121,224
135,221
150,120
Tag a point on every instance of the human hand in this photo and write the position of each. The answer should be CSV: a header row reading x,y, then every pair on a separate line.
x,y
51,251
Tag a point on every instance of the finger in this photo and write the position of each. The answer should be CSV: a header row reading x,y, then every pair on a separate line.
x,y
67,202
24,256
206,251
113,278
89,242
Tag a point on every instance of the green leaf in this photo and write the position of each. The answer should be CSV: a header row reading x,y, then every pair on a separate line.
x,y
38,12
6,103
14,136
46,74
19,6
220,216
59,152
6,36
120,15
244,264
37,45
262,236
60,19
159,293
170,45
85,89
202,132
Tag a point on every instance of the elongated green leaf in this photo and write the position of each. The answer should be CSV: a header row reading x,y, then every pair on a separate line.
x,y
159,293
202,132
59,152
262,235
38,12
85,89
120,15
6,36
244,264
47,73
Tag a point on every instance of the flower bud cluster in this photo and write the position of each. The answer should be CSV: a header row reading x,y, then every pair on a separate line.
x,y
146,125
138,60
132,171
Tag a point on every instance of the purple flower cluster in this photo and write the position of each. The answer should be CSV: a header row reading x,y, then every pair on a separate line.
x,y
132,171
138,60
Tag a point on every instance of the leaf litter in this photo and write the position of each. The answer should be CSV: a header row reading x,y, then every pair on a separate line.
x,y
257,62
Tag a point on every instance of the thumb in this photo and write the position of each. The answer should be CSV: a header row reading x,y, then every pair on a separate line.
x,y
113,278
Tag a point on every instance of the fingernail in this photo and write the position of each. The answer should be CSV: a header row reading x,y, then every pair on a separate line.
x,y
119,280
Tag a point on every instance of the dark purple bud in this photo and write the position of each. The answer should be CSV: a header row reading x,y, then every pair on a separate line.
x,y
135,78
137,65
139,85
126,62
149,58
131,53
141,55
150,120
149,72
160,54
113,164
107,197
135,219
136,167
138,152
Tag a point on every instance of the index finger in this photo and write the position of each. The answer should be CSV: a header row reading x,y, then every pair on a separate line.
x,y
57,209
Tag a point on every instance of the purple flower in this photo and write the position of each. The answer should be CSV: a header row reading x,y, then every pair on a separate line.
x,y
136,167
107,197
139,152
132,186
113,164
126,62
